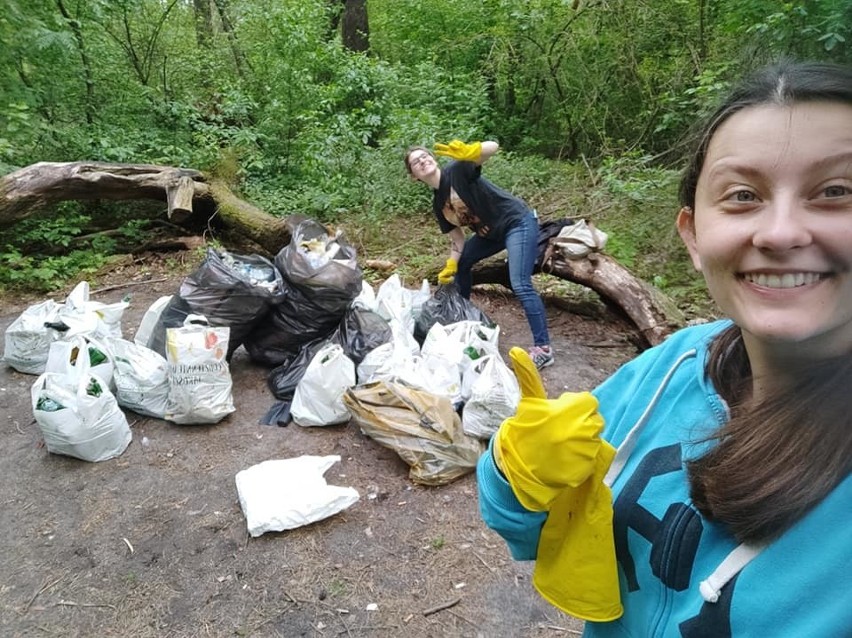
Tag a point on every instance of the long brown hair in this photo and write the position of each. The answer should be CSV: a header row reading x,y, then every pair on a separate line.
x,y
775,459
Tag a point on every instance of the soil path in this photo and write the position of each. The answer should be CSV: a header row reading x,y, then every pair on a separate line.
x,y
154,543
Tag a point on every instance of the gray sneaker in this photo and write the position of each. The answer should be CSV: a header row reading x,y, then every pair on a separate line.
x,y
542,356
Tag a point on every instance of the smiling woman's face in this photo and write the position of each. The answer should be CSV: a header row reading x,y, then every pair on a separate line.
x,y
772,226
421,163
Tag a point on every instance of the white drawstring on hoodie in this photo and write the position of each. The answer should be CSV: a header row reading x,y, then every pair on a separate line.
x,y
743,554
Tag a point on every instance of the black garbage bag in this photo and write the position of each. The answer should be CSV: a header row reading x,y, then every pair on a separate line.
x,y
447,306
234,291
295,320
172,317
282,381
322,278
323,263
360,331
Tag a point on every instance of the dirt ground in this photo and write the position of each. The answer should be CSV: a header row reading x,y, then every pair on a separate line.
x,y
154,543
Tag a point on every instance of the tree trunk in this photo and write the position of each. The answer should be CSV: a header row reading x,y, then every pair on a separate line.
x,y
650,310
186,192
356,29
203,24
74,25
240,61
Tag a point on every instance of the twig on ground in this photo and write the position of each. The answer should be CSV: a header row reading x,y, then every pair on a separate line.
x,y
293,600
467,620
126,285
482,560
70,603
345,627
562,629
441,607
45,585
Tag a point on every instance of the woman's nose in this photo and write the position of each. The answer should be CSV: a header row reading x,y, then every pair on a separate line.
x,y
782,225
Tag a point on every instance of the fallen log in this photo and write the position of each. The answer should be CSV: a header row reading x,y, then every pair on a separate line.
x,y
191,200
654,314
28,189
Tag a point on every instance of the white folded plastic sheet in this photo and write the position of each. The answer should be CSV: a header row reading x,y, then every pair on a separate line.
x,y
288,493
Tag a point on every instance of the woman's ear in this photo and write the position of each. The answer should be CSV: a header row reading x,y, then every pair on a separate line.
x,y
686,229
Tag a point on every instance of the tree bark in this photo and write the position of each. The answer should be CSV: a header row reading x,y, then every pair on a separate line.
x,y
186,192
650,310
240,60
203,24
356,29
74,25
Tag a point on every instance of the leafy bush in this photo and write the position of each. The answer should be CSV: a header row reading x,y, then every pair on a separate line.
x,y
28,259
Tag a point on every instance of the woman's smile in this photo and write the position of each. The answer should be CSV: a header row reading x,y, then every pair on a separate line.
x,y
783,280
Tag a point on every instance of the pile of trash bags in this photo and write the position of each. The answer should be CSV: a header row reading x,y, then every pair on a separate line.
x,y
419,372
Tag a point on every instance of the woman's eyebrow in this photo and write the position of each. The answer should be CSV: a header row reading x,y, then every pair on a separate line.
x,y
837,158
732,166
727,165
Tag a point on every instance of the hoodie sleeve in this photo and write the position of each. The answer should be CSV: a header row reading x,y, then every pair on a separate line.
x,y
502,512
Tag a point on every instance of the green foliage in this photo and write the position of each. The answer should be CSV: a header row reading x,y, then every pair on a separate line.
x,y
438,542
767,29
635,177
27,257
684,107
637,200
37,273
58,230
590,101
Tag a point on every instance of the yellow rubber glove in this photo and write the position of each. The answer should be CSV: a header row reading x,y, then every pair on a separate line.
x,y
447,275
547,445
458,150
555,461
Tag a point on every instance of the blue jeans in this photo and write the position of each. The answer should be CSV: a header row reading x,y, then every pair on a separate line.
x,y
521,242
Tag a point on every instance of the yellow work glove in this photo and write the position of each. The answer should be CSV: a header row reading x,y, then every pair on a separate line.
x,y
547,445
555,461
458,150
447,275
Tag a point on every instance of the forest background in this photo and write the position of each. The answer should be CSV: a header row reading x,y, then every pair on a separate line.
x,y
306,106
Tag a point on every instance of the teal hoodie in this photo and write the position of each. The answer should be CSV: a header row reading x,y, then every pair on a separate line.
x,y
681,575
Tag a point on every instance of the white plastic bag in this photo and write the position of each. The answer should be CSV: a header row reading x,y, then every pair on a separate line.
x,y
78,415
62,357
318,399
419,297
150,320
456,342
288,493
28,340
577,240
492,394
93,318
141,378
388,361
366,298
199,378
440,377
395,303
